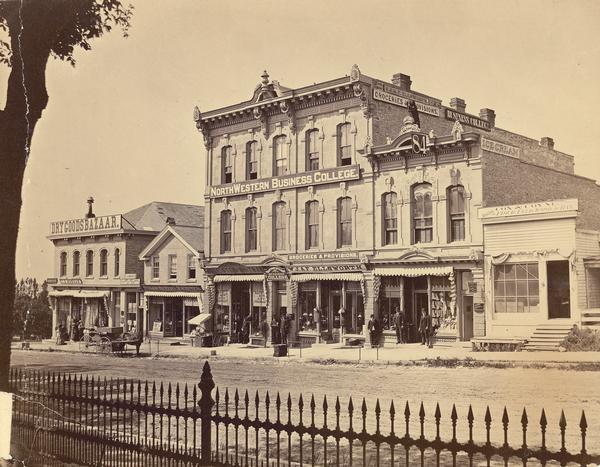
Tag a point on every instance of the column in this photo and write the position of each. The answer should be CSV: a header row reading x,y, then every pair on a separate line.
x,y
479,301
54,306
122,311
272,290
317,314
369,305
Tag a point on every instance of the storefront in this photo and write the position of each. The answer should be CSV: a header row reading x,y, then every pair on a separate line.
x,y
169,312
91,308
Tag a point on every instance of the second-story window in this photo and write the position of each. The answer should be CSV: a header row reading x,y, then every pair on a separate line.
x,y
344,145
63,264
279,226
312,224
456,213
251,229
422,216
344,214
226,165
76,261
117,262
390,219
191,267
252,160
89,263
280,159
155,267
312,150
103,263
172,266
226,231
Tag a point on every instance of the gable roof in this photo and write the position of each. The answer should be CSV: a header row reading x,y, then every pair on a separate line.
x,y
189,236
153,216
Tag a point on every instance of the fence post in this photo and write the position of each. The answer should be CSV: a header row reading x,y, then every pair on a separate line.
x,y
206,402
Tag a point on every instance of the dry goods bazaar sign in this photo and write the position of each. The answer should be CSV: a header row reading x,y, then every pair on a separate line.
x,y
316,177
86,226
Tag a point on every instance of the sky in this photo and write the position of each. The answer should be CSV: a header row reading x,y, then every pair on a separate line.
x,y
119,125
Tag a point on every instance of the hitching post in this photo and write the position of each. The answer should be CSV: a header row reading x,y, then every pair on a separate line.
x,y
206,402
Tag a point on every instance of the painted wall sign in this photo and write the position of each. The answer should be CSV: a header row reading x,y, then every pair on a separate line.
x,y
468,120
316,177
321,256
328,268
500,148
541,207
383,96
393,89
86,226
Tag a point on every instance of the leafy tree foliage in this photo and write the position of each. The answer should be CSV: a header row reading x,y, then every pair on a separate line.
x,y
32,316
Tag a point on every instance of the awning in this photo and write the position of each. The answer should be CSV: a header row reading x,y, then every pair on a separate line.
x,y
172,294
79,293
199,319
345,276
239,278
414,271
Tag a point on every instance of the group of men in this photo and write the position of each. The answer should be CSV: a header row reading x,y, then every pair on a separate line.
x,y
280,326
400,324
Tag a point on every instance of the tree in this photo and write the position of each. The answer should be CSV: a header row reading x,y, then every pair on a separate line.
x,y
31,306
36,30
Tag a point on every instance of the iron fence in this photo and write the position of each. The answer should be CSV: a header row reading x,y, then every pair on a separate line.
x,y
87,420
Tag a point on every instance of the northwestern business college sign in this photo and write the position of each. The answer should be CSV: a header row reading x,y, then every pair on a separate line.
x,y
468,120
86,226
315,177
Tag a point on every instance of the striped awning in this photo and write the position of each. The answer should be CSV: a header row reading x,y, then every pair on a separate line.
x,y
343,276
414,271
79,293
172,294
239,278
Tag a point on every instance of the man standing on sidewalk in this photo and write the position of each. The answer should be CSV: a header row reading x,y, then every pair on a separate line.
x,y
425,328
373,327
399,325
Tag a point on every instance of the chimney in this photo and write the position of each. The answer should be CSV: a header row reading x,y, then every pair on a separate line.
x,y
401,80
458,104
170,220
489,115
90,214
547,142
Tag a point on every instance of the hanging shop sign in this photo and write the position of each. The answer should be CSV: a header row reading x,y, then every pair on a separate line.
x,y
324,256
402,101
315,177
468,120
500,148
472,287
86,226
276,274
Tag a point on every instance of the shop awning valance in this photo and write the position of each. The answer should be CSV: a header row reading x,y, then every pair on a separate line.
x,y
199,319
79,293
414,271
345,276
239,278
172,294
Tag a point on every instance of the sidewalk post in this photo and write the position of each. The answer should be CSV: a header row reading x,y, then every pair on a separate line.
x,y
359,350
206,403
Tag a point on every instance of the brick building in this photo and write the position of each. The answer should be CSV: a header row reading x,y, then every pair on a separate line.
x,y
355,196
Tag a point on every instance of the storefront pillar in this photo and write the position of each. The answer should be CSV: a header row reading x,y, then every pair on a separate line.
x,y
272,292
54,306
479,303
317,313
121,314
370,305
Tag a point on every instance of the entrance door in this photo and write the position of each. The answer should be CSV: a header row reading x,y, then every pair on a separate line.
x,y
467,318
421,306
559,291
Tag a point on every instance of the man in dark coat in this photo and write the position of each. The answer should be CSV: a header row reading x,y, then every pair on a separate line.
x,y
373,328
399,324
284,323
425,328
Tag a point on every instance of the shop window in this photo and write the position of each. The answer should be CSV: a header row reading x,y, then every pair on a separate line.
x,y
225,231
226,165
390,218
190,312
172,267
103,263
63,264
344,214
117,262
252,160
456,213
312,150
89,263
191,267
516,288
279,226
344,145
312,224
76,261
155,267
251,230
307,303
422,216
280,159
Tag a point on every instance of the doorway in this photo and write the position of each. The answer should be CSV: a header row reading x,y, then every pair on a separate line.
x,y
559,290
467,318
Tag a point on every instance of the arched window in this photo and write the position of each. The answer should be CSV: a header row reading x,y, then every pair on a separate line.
x,y
344,145
63,264
89,263
312,224
422,216
251,230
252,160
76,260
225,231
103,263
117,262
344,221
280,159
456,213
390,218
279,226
312,150
226,165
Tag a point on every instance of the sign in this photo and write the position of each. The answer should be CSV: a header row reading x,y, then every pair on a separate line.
x,y
324,256
324,268
316,177
468,120
500,148
52,281
419,143
541,207
156,326
276,274
383,96
478,307
70,281
86,226
472,287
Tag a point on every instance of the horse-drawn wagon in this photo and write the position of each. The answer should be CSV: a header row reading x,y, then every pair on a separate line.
x,y
109,340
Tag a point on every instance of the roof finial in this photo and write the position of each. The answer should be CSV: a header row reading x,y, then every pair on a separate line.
x,y
265,77
90,214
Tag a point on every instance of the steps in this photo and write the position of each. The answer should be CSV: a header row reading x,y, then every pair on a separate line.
x,y
548,336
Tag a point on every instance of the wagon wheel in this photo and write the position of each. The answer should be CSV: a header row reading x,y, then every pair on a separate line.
x,y
105,345
84,342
